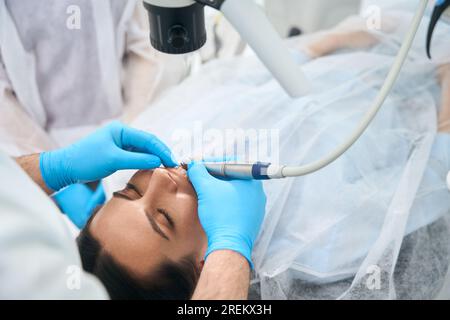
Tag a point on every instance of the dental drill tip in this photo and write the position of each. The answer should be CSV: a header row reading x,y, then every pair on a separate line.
x,y
184,165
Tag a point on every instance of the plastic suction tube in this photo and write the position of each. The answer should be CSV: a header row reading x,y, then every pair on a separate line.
x,y
254,27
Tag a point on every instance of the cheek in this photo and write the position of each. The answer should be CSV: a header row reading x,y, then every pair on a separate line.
x,y
189,222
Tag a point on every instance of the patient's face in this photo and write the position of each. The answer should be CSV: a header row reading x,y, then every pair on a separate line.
x,y
153,219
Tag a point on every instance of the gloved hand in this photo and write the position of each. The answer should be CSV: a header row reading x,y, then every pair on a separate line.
x,y
78,202
112,148
231,212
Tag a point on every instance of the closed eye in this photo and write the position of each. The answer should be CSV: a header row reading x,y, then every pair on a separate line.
x,y
167,216
155,226
124,194
135,189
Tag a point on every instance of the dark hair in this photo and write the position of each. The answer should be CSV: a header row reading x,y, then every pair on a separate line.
x,y
171,281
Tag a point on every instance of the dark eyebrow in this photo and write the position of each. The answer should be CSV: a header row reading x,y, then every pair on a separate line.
x,y
150,219
155,226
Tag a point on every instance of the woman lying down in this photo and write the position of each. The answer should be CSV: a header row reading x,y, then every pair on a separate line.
x,y
374,224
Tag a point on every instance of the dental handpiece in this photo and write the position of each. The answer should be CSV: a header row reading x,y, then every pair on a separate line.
x,y
244,171
240,171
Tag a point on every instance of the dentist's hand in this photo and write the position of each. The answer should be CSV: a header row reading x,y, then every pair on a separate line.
x,y
231,212
78,202
112,148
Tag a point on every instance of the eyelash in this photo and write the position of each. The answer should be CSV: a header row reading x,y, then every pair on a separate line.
x,y
159,210
166,215
131,188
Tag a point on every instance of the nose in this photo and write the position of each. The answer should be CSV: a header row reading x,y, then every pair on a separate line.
x,y
158,186
178,172
164,180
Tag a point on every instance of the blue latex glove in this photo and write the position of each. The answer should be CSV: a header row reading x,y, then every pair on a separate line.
x,y
112,148
78,202
231,212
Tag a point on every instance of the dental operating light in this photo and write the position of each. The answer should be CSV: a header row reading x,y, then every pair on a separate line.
x,y
250,21
178,26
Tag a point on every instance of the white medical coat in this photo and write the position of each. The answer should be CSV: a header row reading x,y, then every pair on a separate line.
x,y
59,82
39,258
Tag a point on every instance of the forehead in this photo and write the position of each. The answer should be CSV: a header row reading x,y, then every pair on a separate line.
x,y
123,231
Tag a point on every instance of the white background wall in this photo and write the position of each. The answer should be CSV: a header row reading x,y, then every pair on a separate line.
x,y
309,15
